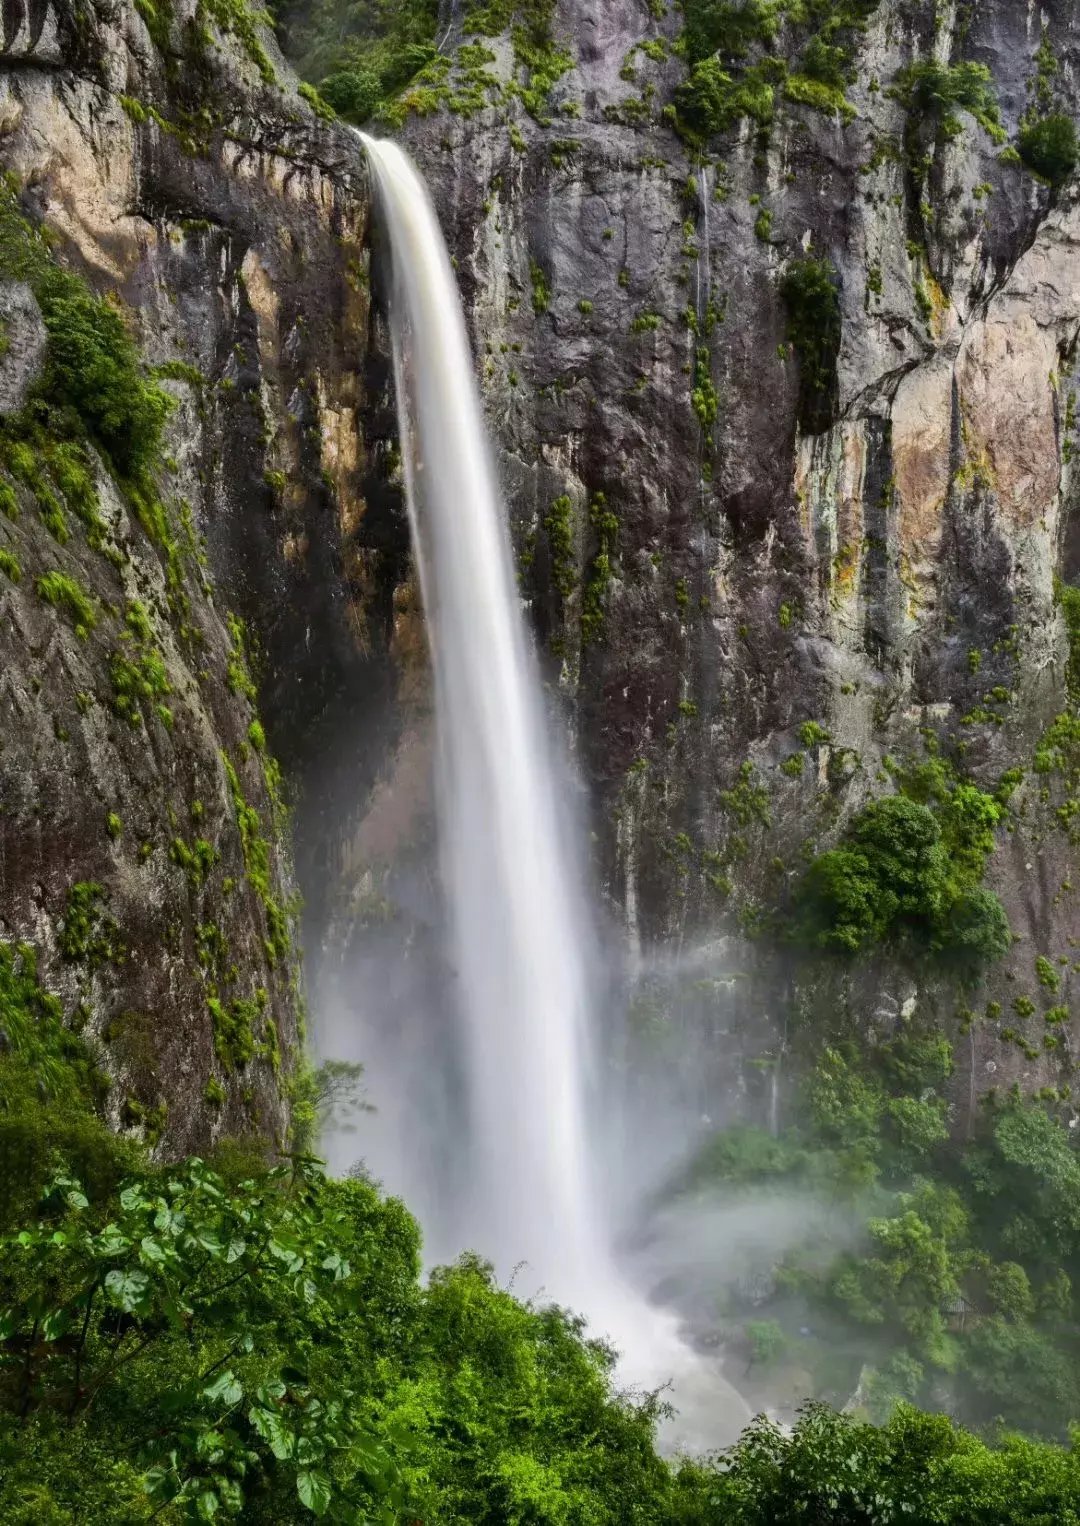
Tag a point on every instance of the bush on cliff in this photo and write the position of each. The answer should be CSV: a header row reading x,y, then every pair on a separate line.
x,y
1048,146
909,872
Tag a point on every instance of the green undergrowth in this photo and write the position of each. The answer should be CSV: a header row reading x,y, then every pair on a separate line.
x,y
94,392
1049,148
944,1264
909,874
185,49
1056,764
51,1093
89,935
1047,142
256,851
935,94
230,1340
384,61
140,683
604,523
744,57
67,595
936,97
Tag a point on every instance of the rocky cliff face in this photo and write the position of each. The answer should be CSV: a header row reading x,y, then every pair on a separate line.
x,y
767,549
757,584
174,168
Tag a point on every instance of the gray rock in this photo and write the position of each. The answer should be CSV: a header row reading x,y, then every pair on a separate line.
x,y
23,339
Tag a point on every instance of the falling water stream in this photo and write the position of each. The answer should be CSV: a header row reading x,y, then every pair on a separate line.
x,y
520,920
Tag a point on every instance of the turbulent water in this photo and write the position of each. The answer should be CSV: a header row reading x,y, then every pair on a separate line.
x,y
521,927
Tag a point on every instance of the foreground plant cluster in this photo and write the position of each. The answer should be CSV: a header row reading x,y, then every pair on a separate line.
x,y
239,1341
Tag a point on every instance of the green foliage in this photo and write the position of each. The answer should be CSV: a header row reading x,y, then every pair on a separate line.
x,y
720,26
976,930
605,524
137,669
936,92
838,1471
256,1345
812,303
962,1255
1046,974
703,396
736,71
256,851
537,57
68,596
1068,599
381,58
136,681
766,1340
50,1094
559,527
239,673
318,104
541,291
235,1028
197,859
260,1348
89,935
909,873
360,56
38,1051
813,734
355,94
242,1343
1048,146
713,99
93,368
9,565
214,1093
93,391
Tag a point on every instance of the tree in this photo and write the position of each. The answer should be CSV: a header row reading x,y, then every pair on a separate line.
x,y
766,1340
1049,148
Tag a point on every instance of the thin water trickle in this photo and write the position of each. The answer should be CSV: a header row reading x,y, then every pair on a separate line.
x,y
521,924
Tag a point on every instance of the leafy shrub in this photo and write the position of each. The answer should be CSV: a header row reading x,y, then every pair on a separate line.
x,y
50,1090
766,1340
976,930
361,56
245,1348
355,94
935,92
1049,148
713,99
835,1469
725,27
735,69
93,368
910,873
898,871
842,903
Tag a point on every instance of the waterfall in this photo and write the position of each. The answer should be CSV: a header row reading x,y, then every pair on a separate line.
x,y
520,921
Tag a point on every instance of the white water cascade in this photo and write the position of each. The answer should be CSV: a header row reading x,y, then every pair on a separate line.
x,y
521,928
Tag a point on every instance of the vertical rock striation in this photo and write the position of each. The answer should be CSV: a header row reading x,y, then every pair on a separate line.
x,y
786,409
175,169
